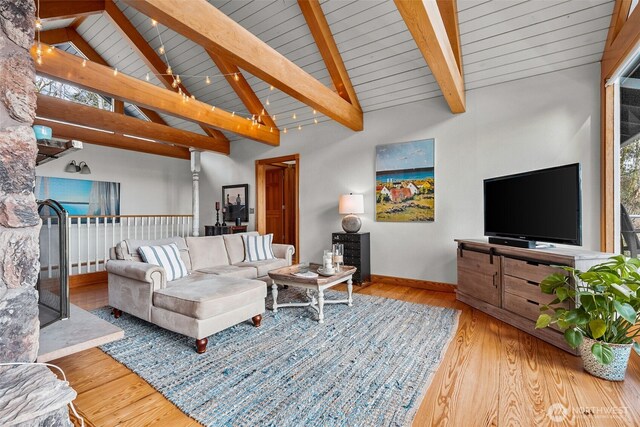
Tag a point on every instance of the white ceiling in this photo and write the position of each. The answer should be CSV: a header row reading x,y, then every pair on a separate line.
x,y
502,40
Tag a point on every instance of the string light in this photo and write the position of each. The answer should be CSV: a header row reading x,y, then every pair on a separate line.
x,y
174,84
299,127
233,114
169,70
213,108
115,72
314,112
236,77
294,116
161,50
39,50
271,88
285,130
207,80
84,62
147,77
38,24
268,103
178,79
273,117
154,23
315,121
39,60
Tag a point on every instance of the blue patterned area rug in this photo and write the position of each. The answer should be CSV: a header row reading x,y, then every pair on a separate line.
x,y
367,365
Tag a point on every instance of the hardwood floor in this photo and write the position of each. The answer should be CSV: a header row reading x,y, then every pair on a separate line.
x,y
491,375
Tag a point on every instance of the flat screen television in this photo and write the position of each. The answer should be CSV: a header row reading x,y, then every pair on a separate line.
x,y
542,205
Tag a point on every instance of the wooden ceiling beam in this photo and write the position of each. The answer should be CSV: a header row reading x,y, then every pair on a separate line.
x,y
426,25
56,9
69,68
212,29
72,112
623,37
148,54
243,90
107,139
618,18
70,35
321,32
449,12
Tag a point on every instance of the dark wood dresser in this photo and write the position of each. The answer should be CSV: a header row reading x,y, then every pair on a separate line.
x,y
217,230
357,252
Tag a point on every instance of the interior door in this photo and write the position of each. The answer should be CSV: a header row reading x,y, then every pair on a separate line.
x,y
290,205
274,186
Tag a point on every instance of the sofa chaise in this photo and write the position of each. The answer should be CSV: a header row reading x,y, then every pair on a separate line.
x,y
220,291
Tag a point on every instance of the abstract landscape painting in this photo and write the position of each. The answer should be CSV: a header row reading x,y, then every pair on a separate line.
x,y
405,186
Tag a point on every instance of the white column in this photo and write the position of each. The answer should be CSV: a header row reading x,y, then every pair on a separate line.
x,y
195,198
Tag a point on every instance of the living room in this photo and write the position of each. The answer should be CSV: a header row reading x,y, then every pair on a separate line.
x,y
533,98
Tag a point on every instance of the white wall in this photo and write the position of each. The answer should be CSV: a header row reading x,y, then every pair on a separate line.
x,y
149,184
539,122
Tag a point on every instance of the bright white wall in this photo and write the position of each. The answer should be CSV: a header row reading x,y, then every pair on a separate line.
x,y
538,122
149,184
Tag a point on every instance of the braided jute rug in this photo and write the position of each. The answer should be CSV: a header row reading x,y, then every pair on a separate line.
x,y
367,365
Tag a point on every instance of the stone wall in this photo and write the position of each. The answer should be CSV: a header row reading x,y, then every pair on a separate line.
x,y
19,221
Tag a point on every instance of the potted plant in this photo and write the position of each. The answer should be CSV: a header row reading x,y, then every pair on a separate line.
x,y
603,320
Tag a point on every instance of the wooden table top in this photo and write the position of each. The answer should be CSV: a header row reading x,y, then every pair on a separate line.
x,y
287,273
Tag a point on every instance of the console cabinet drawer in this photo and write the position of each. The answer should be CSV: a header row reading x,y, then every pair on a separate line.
x,y
521,306
526,289
527,270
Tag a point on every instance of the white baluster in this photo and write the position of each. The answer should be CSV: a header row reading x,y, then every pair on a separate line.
x,y
79,245
104,262
96,256
49,246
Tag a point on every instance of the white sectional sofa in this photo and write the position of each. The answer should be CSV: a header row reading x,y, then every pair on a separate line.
x,y
220,291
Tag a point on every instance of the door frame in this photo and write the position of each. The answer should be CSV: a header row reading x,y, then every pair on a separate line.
x,y
261,195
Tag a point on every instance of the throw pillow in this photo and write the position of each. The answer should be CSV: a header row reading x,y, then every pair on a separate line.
x,y
167,257
258,248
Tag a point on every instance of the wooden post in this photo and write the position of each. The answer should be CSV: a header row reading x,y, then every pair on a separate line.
x,y
195,198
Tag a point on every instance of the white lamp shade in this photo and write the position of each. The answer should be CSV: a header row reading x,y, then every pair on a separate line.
x,y
351,204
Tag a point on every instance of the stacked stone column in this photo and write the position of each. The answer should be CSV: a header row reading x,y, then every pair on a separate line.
x,y
19,220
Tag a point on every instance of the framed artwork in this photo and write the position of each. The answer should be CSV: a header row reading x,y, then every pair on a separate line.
x,y
235,202
80,197
405,185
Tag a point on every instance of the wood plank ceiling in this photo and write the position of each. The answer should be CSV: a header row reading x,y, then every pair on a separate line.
x,y
501,40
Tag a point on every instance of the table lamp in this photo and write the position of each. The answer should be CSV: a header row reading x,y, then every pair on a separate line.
x,y
351,204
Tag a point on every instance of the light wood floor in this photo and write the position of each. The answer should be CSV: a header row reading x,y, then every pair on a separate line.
x,y
492,375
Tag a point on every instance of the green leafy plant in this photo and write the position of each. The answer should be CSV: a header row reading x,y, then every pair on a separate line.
x,y
607,305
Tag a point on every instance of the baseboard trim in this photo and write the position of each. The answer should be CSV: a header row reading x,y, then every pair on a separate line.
x,y
86,279
414,283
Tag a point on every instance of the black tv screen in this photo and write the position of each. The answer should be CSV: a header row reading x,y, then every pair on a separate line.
x,y
540,205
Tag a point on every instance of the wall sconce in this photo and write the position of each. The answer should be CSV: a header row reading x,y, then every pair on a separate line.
x,y
82,167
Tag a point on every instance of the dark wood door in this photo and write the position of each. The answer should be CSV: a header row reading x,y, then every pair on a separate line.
x,y
274,186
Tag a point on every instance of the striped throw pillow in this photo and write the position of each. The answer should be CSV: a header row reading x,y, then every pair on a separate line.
x,y
257,248
167,257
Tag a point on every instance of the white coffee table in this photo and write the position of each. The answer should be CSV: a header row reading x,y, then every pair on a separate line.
x,y
313,286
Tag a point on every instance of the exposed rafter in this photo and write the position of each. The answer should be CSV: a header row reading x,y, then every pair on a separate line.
x,y
147,54
623,37
449,12
70,35
319,27
72,112
108,139
426,25
204,24
56,9
243,90
89,75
